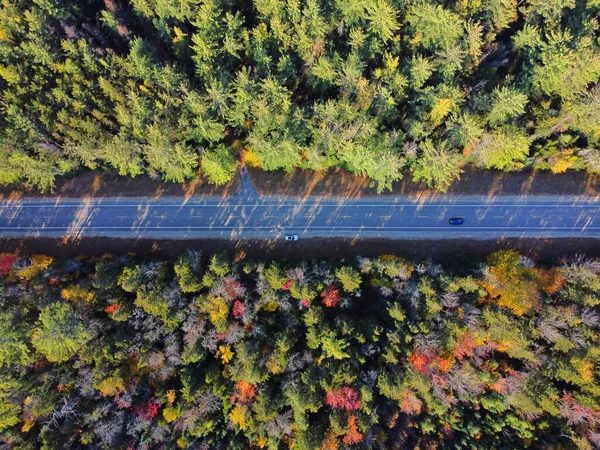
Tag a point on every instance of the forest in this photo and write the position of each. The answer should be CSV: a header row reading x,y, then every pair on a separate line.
x,y
214,352
382,88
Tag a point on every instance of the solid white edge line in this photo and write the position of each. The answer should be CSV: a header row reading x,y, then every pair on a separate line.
x,y
299,228
305,205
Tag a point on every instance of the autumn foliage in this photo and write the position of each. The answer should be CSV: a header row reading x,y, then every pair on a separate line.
x,y
343,398
511,284
420,361
245,391
148,410
112,308
331,296
352,435
6,261
114,352
238,309
551,281
465,345
409,403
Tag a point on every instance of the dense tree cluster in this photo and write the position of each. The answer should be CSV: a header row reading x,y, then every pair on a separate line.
x,y
379,87
208,353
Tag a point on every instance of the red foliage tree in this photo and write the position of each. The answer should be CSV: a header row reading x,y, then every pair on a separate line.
x,y
238,309
352,435
331,296
304,302
343,398
6,261
287,285
465,346
575,413
148,410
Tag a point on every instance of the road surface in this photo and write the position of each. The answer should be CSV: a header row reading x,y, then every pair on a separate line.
x,y
249,216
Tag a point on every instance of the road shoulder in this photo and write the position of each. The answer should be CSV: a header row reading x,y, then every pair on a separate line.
x,y
491,183
102,184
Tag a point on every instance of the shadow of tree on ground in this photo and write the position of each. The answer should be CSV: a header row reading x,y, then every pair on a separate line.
x,y
450,251
338,182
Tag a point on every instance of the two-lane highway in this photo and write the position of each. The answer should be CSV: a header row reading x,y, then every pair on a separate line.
x,y
247,215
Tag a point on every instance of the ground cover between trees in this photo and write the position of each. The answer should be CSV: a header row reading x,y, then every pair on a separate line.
x,y
447,251
341,183
299,184
108,184
204,351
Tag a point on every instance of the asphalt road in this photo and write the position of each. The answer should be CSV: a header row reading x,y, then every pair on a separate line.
x,y
246,215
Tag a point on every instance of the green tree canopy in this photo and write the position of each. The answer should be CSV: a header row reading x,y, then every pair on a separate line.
x,y
437,166
60,334
219,165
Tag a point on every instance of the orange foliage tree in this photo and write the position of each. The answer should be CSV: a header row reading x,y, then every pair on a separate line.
x,y
245,391
352,435
331,296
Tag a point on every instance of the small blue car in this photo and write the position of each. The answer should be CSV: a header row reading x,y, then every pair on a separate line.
x,y
457,221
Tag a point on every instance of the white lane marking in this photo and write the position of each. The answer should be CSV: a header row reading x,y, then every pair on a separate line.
x,y
326,205
305,227
422,217
498,217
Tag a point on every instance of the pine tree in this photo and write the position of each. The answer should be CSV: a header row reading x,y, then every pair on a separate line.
x,y
219,165
61,334
501,149
437,166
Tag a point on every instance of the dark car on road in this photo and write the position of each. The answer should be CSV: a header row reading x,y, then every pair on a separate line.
x,y
456,221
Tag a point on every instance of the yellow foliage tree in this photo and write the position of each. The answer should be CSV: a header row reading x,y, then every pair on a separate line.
x,y
510,284
76,293
440,110
170,414
238,417
251,158
217,310
39,264
225,353
171,396
111,386
565,160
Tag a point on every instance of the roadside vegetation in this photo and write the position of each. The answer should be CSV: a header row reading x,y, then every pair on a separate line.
x,y
382,88
208,353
